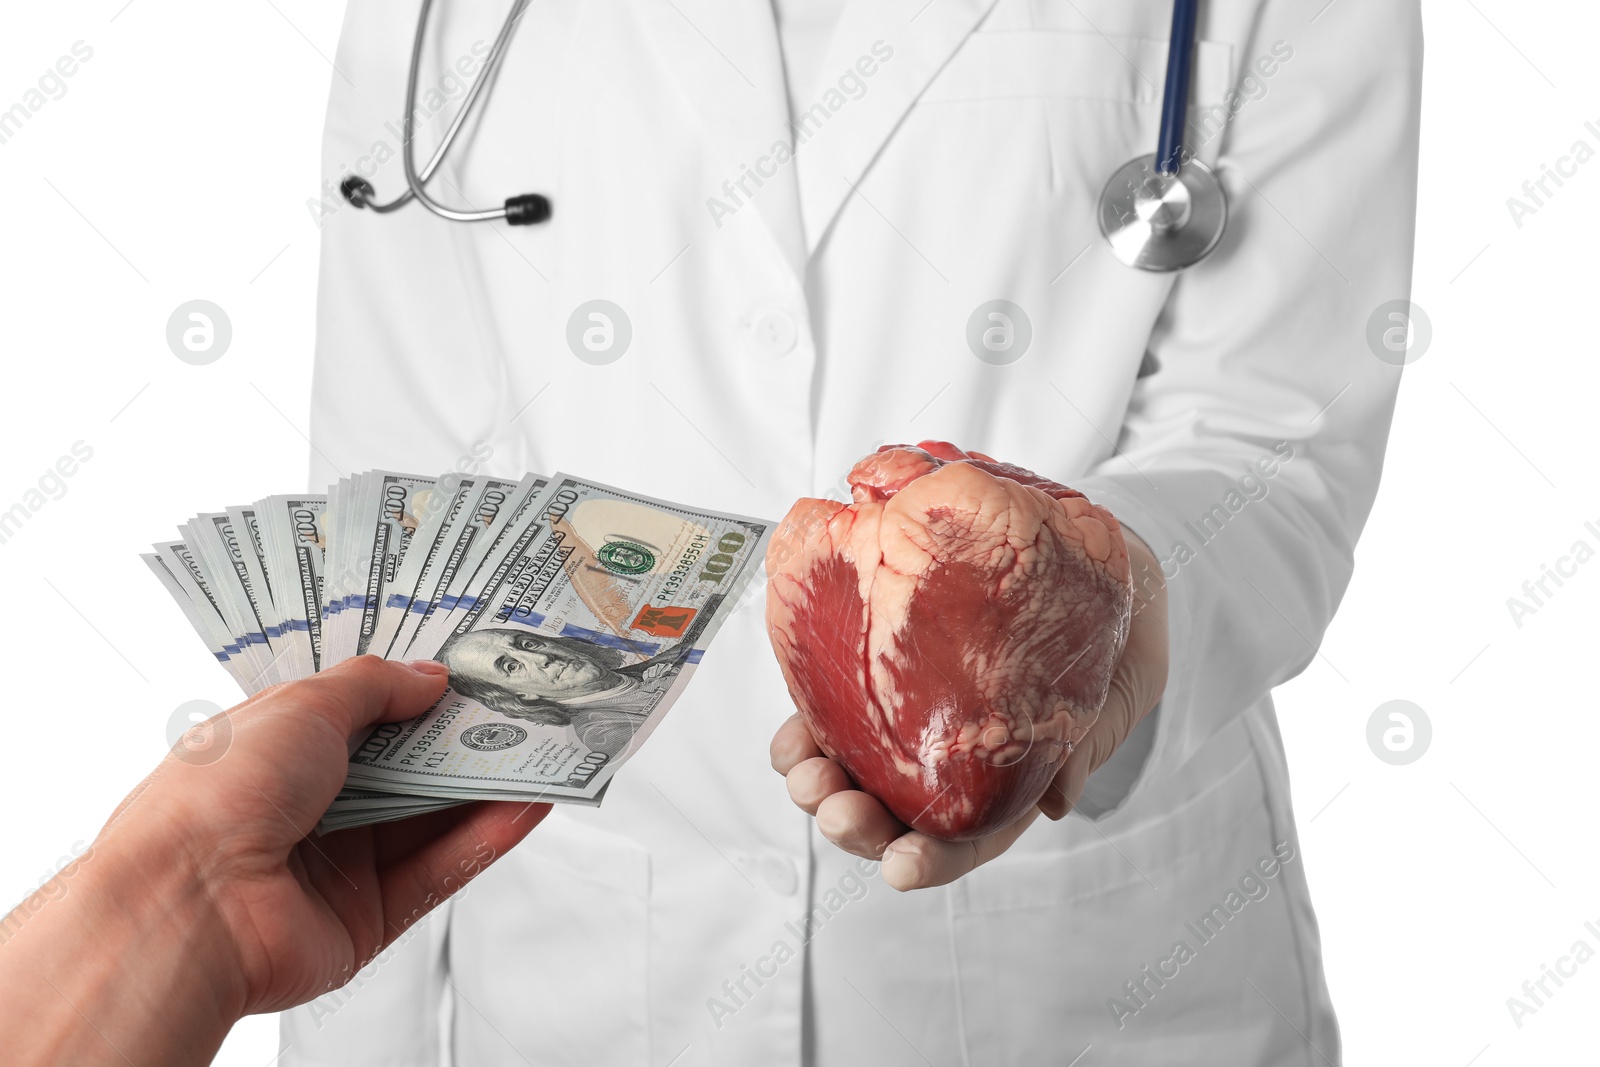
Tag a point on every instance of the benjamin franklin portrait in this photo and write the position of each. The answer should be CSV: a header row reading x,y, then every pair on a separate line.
x,y
560,681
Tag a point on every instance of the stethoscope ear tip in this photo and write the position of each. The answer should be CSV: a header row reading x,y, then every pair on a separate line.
x,y
528,209
358,191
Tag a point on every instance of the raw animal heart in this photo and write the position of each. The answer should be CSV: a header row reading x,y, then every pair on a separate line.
x,y
951,634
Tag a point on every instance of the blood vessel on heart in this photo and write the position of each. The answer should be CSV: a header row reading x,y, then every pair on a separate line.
x,y
951,634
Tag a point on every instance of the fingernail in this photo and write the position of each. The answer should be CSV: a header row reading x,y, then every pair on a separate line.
x,y
888,854
430,667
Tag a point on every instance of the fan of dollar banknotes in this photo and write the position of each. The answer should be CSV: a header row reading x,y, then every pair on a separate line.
x,y
570,614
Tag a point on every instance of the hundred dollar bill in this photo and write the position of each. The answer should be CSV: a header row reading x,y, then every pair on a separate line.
x,y
338,581
195,538
206,622
292,534
461,539
222,555
508,521
579,634
342,576
444,501
570,613
377,534
391,807
179,569
247,533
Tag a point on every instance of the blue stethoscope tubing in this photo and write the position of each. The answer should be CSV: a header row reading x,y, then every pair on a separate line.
x,y
1175,96
1164,213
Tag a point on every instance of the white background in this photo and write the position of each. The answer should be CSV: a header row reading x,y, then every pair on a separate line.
x,y
177,166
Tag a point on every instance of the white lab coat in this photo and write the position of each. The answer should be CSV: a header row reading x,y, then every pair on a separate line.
x,y
777,338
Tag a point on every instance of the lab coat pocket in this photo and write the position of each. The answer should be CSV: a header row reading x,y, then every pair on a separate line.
x,y
1047,942
997,169
548,952
1097,97
1064,64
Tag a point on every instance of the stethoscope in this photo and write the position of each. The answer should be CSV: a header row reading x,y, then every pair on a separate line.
x,y
523,210
1165,213
1158,213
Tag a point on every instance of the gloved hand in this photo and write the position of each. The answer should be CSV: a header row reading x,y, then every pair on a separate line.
x,y
859,824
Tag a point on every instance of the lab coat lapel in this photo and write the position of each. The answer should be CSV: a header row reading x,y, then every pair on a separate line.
x,y
833,153
724,56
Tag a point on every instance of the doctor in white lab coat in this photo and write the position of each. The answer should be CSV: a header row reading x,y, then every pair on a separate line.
x,y
799,216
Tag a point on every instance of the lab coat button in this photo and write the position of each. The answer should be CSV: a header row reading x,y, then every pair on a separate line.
x,y
780,873
774,332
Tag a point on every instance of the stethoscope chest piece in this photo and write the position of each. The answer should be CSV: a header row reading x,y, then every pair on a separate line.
x,y
1166,212
1163,223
